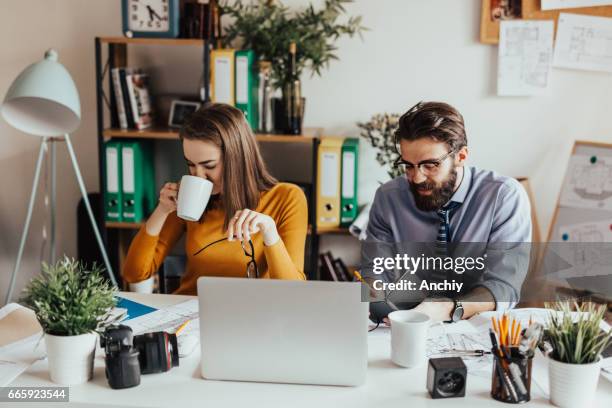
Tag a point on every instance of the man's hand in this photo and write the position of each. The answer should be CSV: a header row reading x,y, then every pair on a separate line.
x,y
437,310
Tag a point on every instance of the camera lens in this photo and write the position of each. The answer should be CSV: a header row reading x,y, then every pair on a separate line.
x,y
158,352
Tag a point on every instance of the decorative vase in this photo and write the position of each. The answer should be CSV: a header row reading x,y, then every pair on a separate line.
x,y
71,358
281,120
573,385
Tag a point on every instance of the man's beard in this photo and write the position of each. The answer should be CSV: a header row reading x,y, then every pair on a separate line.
x,y
440,194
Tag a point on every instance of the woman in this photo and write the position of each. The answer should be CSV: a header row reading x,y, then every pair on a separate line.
x,y
253,225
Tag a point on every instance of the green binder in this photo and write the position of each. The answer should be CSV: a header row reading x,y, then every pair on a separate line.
x,y
247,84
138,180
348,197
112,189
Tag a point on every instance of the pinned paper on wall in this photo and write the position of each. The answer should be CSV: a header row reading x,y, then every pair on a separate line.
x,y
588,183
525,53
598,231
563,4
584,42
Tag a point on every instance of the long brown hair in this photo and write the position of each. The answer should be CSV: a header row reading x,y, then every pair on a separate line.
x,y
245,175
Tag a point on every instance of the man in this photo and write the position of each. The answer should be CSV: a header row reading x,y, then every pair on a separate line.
x,y
457,209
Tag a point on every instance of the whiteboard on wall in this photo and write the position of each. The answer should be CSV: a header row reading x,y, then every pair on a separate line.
x,y
581,228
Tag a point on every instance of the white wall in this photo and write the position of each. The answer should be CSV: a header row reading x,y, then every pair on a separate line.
x,y
27,29
415,50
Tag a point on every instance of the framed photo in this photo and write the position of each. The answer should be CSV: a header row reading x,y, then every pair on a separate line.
x,y
494,11
181,110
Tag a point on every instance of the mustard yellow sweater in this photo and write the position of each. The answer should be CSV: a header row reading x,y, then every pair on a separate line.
x,y
285,203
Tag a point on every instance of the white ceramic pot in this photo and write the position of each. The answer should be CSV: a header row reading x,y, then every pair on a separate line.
x,y
71,358
573,385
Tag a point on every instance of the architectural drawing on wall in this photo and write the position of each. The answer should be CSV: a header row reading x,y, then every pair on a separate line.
x,y
588,183
588,248
563,4
525,52
584,42
597,231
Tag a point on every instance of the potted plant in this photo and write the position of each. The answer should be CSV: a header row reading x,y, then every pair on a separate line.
x,y
575,359
379,131
269,27
71,302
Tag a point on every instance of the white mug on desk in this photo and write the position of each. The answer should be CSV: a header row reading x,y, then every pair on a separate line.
x,y
193,196
408,337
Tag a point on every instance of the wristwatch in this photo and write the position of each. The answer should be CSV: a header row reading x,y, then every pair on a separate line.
x,y
457,312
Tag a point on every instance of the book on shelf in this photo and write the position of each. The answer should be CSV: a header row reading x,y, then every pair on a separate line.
x,y
124,96
132,98
122,118
334,269
199,19
138,91
341,270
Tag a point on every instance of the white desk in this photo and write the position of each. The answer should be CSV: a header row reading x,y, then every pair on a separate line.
x,y
387,385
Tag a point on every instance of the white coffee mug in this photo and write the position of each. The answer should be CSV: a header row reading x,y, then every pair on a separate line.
x,y
408,337
193,196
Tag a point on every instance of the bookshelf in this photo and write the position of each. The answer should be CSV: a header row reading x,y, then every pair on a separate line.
x,y
171,134
112,52
152,41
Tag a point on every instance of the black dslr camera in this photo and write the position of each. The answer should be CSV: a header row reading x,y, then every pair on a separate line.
x,y
122,368
128,356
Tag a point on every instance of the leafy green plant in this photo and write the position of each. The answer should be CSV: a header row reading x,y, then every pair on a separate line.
x,y
576,342
379,131
70,299
269,27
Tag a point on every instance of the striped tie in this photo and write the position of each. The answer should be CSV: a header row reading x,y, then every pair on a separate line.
x,y
443,237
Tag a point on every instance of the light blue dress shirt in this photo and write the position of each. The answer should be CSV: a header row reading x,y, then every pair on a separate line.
x,y
494,216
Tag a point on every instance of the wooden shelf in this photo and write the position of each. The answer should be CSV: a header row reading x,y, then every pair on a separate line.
x,y
330,231
151,133
124,225
172,134
152,41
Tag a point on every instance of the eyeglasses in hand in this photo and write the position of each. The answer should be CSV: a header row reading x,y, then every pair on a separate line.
x,y
251,268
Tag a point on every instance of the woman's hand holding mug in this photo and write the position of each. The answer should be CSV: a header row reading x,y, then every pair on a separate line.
x,y
248,222
168,196
167,204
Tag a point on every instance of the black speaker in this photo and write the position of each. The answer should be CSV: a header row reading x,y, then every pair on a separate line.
x,y
446,377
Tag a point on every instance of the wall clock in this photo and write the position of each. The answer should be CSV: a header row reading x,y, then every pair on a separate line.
x,y
150,18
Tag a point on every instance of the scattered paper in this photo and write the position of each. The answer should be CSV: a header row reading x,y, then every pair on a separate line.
x,y
583,42
561,4
165,319
20,342
444,338
525,53
18,356
588,183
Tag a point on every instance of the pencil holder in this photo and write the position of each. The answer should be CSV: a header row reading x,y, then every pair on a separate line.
x,y
511,380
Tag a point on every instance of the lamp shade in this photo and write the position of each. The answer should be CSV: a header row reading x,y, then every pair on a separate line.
x,y
43,99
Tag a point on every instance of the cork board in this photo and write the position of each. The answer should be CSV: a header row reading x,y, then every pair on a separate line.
x,y
493,11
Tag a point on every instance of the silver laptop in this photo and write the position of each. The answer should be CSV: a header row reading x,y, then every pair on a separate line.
x,y
283,331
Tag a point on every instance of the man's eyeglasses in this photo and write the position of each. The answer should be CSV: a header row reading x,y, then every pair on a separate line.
x,y
251,268
427,167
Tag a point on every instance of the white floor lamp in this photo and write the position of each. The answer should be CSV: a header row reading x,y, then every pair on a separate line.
x,y
43,101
